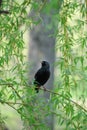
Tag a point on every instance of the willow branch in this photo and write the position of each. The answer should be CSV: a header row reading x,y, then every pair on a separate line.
x,y
11,86
13,103
75,103
23,103
44,3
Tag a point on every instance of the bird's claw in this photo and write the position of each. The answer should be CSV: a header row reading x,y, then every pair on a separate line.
x,y
44,88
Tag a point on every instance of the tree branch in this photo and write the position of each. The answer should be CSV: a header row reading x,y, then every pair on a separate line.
x,y
13,103
75,103
23,103
11,86
4,12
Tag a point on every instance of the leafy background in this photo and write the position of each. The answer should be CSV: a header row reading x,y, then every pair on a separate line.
x,y
68,99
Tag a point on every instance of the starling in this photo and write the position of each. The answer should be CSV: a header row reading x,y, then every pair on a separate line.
x,y
42,75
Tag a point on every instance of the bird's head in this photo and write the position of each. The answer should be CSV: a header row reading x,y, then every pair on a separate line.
x,y
45,64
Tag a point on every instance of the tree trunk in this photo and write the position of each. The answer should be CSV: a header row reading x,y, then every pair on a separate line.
x,y
42,47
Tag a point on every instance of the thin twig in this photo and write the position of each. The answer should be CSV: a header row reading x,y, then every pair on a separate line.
x,y
11,86
45,1
78,105
14,103
75,103
15,91
11,106
4,12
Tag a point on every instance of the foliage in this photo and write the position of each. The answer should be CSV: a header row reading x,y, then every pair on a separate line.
x,y
68,99
71,44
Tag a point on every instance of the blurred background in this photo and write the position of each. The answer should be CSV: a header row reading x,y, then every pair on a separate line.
x,y
54,31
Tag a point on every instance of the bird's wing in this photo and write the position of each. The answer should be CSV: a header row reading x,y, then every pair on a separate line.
x,y
38,73
37,84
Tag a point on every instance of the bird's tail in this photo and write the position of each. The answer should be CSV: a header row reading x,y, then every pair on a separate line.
x,y
37,89
37,86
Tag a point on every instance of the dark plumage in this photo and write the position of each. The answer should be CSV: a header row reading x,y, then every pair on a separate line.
x,y
42,75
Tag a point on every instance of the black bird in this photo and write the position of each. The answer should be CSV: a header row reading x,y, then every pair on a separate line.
x,y
42,75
